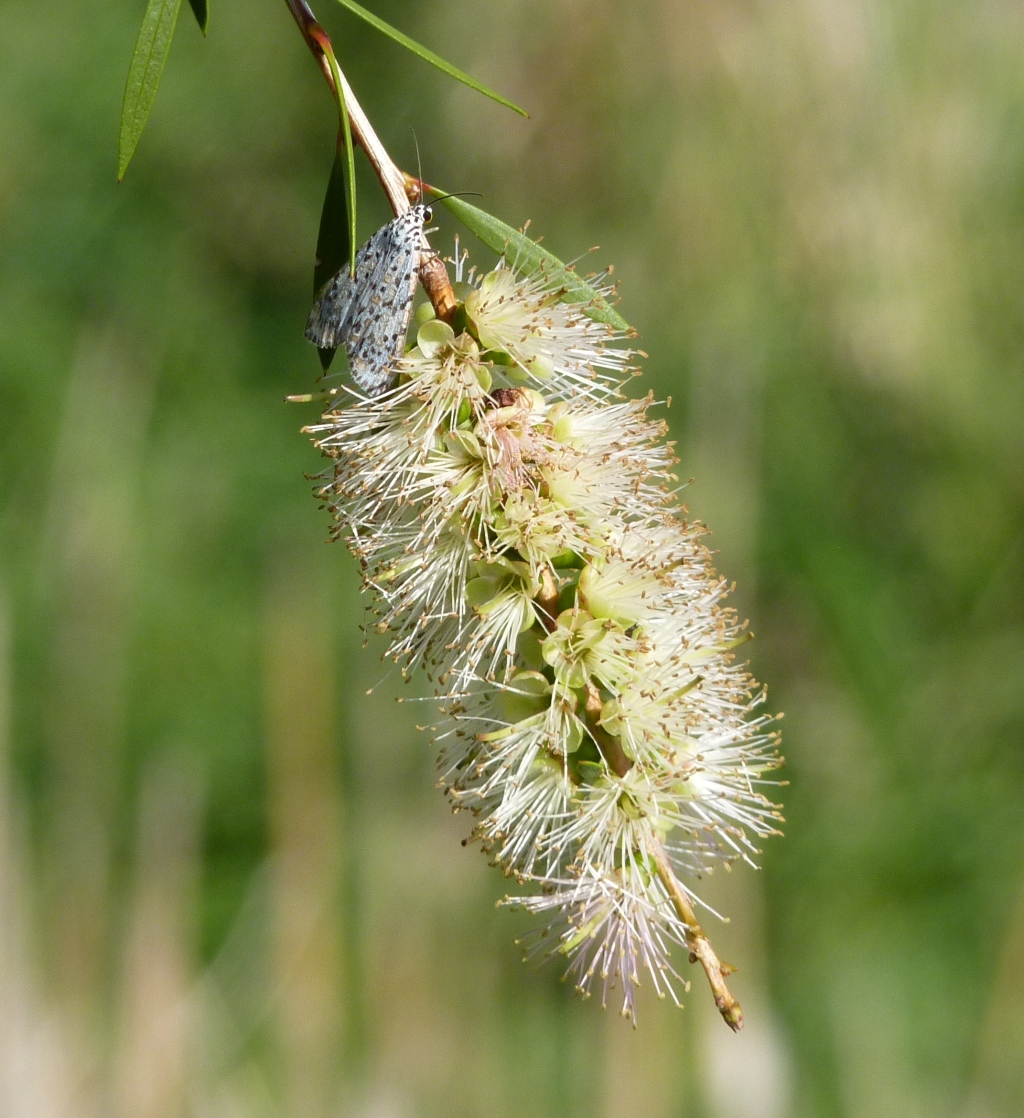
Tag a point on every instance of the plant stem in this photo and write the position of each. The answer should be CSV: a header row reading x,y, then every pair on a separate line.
x,y
398,186
700,947
547,600
609,745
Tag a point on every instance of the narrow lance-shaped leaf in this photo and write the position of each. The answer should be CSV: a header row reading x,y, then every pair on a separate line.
x,y
350,156
528,257
201,10
333,241
428,55
147,65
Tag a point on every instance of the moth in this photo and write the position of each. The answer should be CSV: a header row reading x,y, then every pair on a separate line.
x,y
368,313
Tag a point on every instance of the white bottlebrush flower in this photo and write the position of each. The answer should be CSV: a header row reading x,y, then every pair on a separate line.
x,y
514,518
548,341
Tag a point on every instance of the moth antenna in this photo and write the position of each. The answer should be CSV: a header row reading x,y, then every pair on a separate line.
x,y
458,194
419,165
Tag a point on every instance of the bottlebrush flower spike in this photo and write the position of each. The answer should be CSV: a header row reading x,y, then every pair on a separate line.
x,y
514,518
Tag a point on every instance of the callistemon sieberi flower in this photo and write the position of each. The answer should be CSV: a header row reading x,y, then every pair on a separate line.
x,y
514,516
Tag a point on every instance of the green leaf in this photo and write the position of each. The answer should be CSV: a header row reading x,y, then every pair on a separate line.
x,y
350,167
528,257
147,65
201,10
428,55
350,156
333,242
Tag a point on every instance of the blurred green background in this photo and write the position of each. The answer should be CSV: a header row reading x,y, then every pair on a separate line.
x,y
228,886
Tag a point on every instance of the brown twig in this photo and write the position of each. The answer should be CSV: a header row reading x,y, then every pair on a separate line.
x,y
304,17
700,947
609,745
396,184
438,285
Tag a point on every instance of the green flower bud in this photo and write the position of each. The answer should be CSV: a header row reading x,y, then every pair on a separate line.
x,y
526,694
424,313
434,336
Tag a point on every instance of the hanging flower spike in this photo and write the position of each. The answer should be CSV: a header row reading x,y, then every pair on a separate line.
x,y
514,518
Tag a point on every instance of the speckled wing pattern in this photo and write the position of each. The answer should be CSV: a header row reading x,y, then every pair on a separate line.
x,y
368,314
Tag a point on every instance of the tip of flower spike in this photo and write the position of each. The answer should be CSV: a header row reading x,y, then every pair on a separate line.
x,y
731,1014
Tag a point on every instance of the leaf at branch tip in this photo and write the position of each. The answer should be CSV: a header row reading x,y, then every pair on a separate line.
x,y
201,10
428,55
332,242
151,49
528,257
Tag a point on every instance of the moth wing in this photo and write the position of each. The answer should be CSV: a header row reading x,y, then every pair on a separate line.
x,y
380,312
326,325
323,326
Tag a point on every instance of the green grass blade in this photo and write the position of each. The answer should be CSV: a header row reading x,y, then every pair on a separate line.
x,y
151,50
201,10
528,257
428,55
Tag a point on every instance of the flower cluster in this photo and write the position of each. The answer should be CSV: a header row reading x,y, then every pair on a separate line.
x,y
514,517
